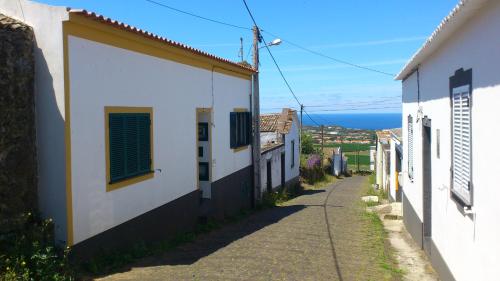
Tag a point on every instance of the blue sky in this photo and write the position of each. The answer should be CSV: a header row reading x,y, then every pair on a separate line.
x,y
377,34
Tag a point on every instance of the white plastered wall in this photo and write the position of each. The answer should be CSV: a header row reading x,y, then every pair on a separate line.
x,y
46,22
293,134
275,157
103,75
468,243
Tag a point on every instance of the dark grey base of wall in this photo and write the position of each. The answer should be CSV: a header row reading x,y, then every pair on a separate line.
x,y
162,223
233,193
412,222
414,227
293,184
438,263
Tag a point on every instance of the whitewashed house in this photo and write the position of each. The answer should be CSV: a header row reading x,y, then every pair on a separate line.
x,y
382,159
279,138
451,96
395,165
133,129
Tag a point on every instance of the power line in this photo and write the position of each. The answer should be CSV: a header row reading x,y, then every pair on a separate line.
x,y
288,41
356,108
198,16
329,57
271,54
309,116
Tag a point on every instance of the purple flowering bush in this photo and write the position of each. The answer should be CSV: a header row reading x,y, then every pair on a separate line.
x,y
313,172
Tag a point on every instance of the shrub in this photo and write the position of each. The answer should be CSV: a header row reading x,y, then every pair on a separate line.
x,y
307,144
313,172
28,252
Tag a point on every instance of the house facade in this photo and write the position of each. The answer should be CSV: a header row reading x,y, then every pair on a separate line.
x,y
133,130
280,144
395,166
451,94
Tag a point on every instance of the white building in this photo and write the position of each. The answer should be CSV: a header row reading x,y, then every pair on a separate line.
x,y
396,159
279,138
451,96
382,159
132,129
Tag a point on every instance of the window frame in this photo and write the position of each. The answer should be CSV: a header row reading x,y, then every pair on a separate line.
x,y
411,148
462,81
240,134
110,186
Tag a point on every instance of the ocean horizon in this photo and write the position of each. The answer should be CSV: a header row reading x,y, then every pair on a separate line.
x,y
366,121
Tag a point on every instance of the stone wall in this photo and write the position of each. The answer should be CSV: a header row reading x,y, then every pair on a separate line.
x,y
18,168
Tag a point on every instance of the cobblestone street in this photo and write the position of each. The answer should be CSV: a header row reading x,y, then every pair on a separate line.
x,y
320,235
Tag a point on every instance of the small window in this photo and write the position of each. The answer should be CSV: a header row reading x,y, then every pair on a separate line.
x,y
240,129
292,153
129,139
204,174
438,143
200,151
203,131
410,147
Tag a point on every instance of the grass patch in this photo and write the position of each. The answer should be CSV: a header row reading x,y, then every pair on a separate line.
x,y
379,245
327,180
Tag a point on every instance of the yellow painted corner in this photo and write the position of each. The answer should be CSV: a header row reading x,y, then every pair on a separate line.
x,y
241,148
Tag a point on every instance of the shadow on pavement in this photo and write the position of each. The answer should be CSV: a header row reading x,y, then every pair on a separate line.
x,y
209,243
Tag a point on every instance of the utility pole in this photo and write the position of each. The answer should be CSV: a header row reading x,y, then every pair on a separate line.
x,y
300,136
256,117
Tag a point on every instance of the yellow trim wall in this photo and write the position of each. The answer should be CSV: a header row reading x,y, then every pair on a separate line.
x,y
67,139
122,109
89,29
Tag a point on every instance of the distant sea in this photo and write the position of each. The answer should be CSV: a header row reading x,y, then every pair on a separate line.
x,y
367,121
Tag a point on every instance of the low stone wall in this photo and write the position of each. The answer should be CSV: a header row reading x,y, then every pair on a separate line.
x,y
18,169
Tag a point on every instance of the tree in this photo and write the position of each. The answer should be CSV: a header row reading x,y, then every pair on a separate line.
x,y
307,144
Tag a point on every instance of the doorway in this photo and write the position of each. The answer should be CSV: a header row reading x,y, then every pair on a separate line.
x,y
204,151
269,177
283,170
427,183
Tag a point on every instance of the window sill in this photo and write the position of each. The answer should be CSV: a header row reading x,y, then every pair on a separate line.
x,y
129,181
241,148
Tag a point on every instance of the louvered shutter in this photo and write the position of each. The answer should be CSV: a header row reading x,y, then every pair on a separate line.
x,y
461,151
410,146
232,129
116,147
248,127
129,145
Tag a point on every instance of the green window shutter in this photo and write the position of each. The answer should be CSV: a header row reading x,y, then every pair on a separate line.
x,y
144,143
232,129
116,147
130,145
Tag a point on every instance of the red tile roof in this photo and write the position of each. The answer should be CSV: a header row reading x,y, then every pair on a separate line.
x,y
147,34
277,122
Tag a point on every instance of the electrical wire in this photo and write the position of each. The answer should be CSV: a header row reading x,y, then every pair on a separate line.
x,y
271,55
265,31
329,57
198,16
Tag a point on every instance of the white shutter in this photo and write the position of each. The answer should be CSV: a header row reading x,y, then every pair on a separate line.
x,y
461,142
410,147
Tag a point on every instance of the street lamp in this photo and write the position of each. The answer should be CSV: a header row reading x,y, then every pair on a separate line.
x,y
256,112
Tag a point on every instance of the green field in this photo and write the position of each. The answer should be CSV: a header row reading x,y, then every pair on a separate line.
x,y
348,147
363,159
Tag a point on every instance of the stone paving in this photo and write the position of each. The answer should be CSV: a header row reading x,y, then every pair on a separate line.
x,y
320,235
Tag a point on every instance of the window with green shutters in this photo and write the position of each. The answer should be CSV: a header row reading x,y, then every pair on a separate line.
x,y
129,145
240,124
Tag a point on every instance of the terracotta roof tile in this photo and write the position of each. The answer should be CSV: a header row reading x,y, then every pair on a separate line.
x,y
277,122
153,36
